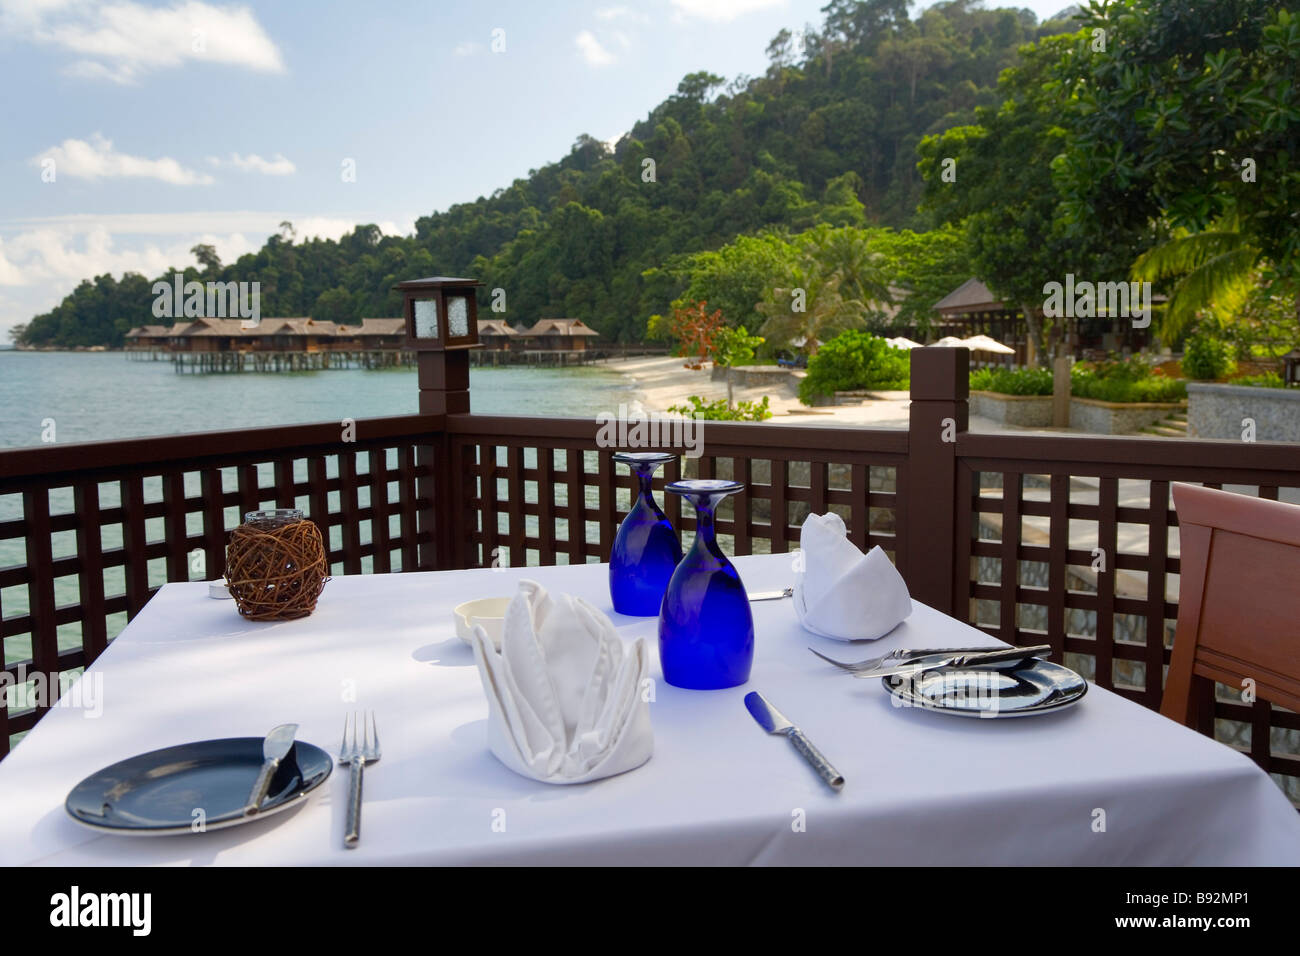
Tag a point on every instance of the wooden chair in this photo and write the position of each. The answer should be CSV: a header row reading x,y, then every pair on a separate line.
x,y
1238,602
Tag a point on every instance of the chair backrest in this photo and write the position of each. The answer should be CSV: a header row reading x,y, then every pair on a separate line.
x,y
1238,600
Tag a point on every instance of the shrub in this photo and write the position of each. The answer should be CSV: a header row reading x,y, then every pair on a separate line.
x,y
853,360
1025,381
1205,357
720,411
1267,380
1129,381
732,347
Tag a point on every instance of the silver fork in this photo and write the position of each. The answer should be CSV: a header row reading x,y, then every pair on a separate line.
x,y
868,665
360,746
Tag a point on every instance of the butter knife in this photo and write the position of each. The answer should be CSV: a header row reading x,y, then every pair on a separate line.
x,y
771,595
274,749
775,722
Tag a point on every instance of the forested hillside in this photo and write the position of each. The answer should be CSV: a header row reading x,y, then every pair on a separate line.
x,y
827,135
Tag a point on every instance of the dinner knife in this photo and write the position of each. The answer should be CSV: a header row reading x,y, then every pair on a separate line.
x,y
771,595
274,749
775,722
969,659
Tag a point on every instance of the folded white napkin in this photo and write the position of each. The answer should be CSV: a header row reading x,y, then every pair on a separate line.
x,y
565,696
842,593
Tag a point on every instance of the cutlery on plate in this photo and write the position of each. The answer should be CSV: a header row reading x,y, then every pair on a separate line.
x,y
274,749
961,657
771,595
775,722
360,747
901,654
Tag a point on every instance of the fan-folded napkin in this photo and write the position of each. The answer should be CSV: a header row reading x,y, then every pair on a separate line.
x,y
565,696
842,593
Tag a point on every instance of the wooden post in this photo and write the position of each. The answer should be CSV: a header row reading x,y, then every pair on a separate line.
x,y
1061,392
938,414
444,390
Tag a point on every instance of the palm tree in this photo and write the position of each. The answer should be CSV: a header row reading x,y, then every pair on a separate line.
x,y
834,282
810,310
845,253
1217,270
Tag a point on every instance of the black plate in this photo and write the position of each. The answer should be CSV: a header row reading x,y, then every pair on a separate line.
x,y
1029,688
157,793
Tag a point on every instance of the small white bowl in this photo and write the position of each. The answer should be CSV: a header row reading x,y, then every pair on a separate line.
x,y
489,613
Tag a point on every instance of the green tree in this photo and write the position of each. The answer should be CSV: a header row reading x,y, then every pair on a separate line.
x,y
996,178
1208,97
335,305
206,256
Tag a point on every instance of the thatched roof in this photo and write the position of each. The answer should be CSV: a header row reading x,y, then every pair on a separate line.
x,y
561,327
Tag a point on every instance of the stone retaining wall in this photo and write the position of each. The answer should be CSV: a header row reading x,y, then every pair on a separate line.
x,y
1029,411
1220,411
1117,418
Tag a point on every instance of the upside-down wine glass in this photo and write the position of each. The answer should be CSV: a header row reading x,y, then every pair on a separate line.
x,y
706,629
646,549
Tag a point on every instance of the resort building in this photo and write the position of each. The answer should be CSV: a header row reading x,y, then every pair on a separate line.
x,y
559,335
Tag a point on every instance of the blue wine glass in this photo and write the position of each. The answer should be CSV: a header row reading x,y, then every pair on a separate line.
x,y
706,630
646,549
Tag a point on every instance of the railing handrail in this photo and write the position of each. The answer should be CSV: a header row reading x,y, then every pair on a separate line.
x,y
893,441
82,460
1132,450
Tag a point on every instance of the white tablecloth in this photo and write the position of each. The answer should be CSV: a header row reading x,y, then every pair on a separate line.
x,y
922,788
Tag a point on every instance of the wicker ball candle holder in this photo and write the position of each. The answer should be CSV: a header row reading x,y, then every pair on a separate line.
x,y
276,565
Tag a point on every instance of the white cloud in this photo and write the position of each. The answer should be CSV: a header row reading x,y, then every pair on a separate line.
x,y
592,51
121,40
60,251
721,11
42,260
252,163
258,222
621,13
98,160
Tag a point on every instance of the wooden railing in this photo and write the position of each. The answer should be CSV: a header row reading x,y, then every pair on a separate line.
x,y
104,524
1065,540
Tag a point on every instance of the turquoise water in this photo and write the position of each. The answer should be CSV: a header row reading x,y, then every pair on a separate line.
x,y
99,395
75,397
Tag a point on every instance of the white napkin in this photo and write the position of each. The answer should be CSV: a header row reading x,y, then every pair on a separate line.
x,y
842,593
565,691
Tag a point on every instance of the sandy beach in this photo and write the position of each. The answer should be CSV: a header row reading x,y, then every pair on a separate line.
x,y
664,381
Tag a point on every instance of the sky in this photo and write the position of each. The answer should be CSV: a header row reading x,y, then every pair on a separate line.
x,y
131,131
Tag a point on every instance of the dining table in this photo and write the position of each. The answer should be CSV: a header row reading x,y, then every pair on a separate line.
x,y
1104,782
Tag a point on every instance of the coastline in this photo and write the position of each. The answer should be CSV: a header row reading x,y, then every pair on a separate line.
x,y
663,381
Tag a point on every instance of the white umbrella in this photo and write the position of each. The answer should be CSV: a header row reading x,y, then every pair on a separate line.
x,y
982,343
902,343
952,342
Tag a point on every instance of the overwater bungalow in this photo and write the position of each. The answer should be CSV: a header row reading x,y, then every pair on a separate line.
x,y
559,335
370,335
146,338
499,334
292,335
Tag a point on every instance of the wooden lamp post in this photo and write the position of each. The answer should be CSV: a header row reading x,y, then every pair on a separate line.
x,y
441,315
